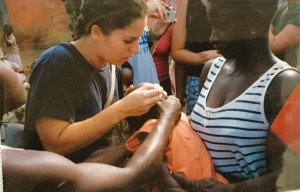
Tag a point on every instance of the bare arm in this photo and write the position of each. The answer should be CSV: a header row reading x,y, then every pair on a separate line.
x,y
142,167
25,170
287,38
178,51
64,137
114,155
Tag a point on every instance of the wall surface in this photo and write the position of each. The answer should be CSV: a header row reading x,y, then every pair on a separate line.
x,y
38,21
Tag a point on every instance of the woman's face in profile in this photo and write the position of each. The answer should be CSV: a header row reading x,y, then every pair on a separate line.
x,y
236,23
120,45
234,20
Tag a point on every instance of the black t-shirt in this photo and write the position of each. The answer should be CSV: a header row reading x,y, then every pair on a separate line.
x,y
64,86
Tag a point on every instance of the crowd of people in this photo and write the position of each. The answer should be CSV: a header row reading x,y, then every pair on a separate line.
x,y
103,112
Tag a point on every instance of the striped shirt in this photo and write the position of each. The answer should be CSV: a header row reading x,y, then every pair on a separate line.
x,y
235,134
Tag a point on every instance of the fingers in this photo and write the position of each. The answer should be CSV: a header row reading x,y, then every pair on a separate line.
x,y
129,90
134,87
183,181
141,98
155,8
26,86
208,55
150,89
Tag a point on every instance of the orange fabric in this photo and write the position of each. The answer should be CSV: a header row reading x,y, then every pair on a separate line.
x,y
287,123
186,153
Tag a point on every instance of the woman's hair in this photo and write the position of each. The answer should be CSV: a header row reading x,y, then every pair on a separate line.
x,y
109,15
7,29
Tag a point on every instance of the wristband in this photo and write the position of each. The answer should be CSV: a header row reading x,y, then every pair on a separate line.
x,y
153,37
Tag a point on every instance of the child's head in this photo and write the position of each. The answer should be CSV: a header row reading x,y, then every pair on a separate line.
x,y
127,75
137,122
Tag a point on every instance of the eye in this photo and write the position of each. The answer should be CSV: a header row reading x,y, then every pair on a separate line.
x,y
128,41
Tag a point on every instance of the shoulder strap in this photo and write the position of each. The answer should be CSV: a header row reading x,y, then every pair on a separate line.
x,y
112,87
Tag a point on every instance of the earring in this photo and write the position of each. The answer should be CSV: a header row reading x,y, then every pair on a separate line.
x,y
252,32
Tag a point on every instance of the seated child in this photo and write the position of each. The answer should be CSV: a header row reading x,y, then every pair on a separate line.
x,y
185,153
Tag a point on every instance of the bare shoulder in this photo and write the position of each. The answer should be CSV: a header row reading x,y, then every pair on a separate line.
x,y
279,91
286,81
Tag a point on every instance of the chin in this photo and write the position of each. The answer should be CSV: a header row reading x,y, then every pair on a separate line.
x,y
118,63
228,55
225,53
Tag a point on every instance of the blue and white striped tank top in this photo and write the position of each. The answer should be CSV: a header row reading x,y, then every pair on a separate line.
x,y
235,134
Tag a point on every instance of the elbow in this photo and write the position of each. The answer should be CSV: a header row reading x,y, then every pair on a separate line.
x,y
179,55
55,145
174,56
53,136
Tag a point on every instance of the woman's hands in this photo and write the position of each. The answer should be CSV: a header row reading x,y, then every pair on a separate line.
x,y
140,98
156,9
158,21
208,55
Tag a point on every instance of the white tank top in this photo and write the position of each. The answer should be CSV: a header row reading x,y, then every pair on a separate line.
x,y
235,134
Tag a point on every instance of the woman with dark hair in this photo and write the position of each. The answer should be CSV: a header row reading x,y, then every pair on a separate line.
x,y
31,170
70,81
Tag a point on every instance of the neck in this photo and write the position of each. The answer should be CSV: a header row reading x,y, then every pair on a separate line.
x,y
255,56
85,47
